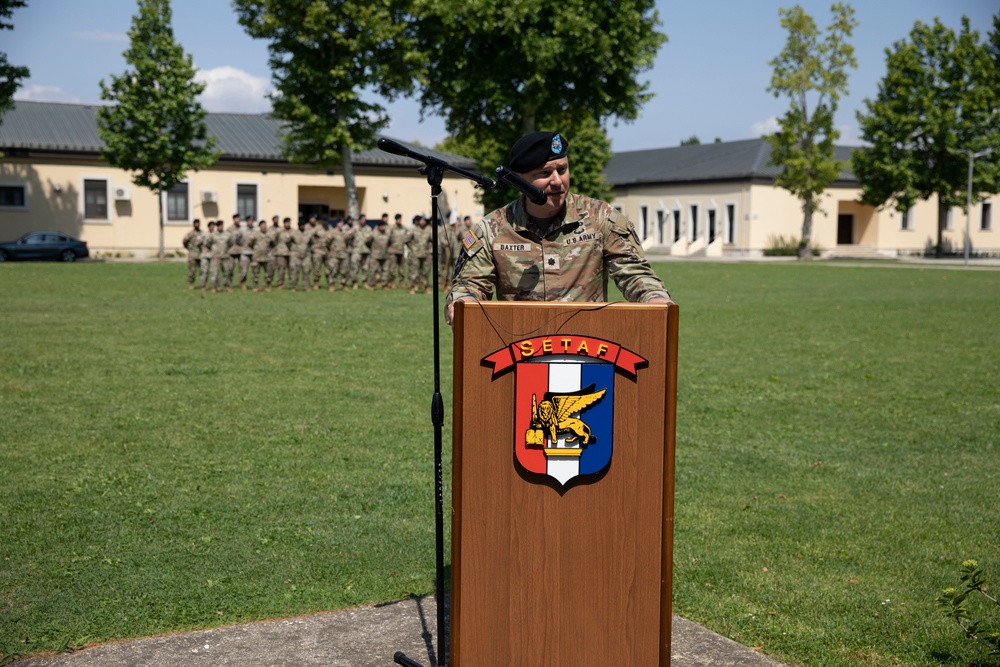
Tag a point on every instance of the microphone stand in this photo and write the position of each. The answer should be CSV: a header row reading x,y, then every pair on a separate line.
x,y
434,169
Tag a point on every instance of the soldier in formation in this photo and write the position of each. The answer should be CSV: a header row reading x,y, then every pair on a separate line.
x,y
192,244
260,257
378,264
261,246
420,249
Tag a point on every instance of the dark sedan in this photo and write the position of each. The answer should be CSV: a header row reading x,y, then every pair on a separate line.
x,y
44,245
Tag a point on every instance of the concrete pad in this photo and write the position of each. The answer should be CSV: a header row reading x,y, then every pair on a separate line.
x,y
363,637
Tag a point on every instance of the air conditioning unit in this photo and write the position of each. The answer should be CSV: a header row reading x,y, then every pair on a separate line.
x,y
209,197
123,192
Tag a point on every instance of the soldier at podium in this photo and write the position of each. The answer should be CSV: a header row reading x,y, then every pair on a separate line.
x,y
561,250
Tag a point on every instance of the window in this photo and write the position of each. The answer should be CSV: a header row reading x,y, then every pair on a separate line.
x,y
675,231
643,222
177,202
906,220
246,201
730,229
95,199
711,225
694,222
949,220
661,226
14,196
986,216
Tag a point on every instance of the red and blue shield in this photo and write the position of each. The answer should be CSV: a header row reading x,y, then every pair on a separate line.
x,y
564,402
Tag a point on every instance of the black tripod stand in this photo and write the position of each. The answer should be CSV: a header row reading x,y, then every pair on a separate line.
x,y
434,169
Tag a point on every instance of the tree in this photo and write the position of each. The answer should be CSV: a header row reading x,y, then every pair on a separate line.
x,y
155,127
937,101
693,140
811,71
323,55
10,76
496,71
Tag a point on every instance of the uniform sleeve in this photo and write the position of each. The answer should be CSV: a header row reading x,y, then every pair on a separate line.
x,y
626,262
475,272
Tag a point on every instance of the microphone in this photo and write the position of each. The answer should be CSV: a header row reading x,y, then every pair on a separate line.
x,y
534,195
396,148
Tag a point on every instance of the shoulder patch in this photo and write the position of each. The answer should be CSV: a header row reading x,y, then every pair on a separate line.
x,y
470,240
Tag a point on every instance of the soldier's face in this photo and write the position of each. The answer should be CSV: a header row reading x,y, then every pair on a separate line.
x,y
552,178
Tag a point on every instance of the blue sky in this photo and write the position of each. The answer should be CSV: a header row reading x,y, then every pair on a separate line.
x,y
709,79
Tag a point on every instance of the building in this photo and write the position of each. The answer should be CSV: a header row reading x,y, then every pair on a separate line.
x,y
720,200
52,177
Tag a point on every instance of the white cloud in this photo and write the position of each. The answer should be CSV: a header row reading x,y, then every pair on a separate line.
x,y
101,36
39,93
228,89
769,126
849,135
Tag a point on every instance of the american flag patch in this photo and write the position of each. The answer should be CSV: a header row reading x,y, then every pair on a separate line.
x,y
469,240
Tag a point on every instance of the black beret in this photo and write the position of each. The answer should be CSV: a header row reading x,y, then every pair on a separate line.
x,y
533,150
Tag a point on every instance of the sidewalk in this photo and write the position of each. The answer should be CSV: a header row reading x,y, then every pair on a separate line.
x,y
364,637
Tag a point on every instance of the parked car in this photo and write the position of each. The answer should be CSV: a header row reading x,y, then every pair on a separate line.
x,y
44,245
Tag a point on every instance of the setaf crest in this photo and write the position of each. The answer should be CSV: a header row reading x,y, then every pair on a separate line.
x,y
564,402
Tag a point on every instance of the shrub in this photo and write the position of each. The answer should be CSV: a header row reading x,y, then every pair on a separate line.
x,y
954,604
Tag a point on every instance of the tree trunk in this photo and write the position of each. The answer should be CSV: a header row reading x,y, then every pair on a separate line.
x,y
805,245
352,188
942,221
159,199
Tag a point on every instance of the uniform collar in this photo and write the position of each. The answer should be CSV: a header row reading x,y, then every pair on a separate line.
x,y
520,220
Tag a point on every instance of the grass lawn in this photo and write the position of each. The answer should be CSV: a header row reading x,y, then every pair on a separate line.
x,y
174,460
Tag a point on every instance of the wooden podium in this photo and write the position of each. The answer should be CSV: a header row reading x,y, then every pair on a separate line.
x,y
553,568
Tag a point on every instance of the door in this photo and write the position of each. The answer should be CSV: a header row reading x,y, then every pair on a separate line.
x,y
845,229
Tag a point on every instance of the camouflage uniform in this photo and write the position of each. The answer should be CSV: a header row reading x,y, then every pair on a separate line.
x,y
241,239
282,255
420,241
571,262
378,265
318,246
338,258
397,255
205,250
192,243
260,244
219,248
233,256
301,264
360,252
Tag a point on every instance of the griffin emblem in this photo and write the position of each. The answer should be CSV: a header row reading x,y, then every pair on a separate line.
x,y
553,416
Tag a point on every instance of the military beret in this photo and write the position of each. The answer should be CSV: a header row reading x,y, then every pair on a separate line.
x,y
533,150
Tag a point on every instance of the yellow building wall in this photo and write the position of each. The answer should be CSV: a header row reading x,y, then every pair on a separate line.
x,y
55,200
765,213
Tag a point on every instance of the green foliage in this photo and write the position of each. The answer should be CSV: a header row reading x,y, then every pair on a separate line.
x,y
496,71
810,70
155,127
10,75
782,246
940,98
323,55
955,605
693,140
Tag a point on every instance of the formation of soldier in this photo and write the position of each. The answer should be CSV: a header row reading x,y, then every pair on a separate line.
x,y
348,253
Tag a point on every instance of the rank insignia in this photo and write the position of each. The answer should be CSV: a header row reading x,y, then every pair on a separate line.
x,y
557,144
